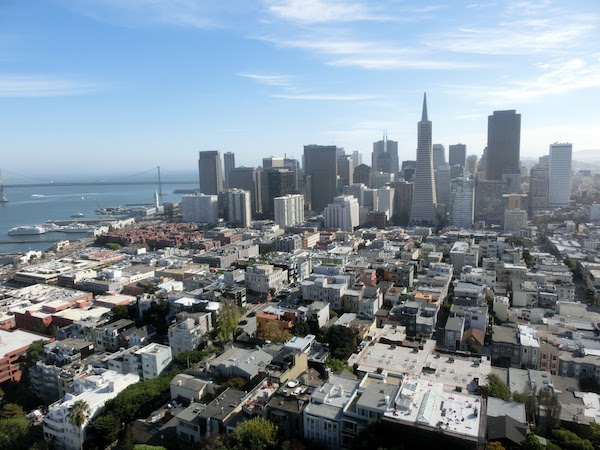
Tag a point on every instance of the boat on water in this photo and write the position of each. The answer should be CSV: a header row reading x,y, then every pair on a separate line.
x,y
78,215
76,228
28,230
37,195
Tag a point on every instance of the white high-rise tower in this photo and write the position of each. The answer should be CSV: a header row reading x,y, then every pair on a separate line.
x,y
559,173
424,201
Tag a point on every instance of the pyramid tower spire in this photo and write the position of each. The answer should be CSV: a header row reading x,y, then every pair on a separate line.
x,y
424,115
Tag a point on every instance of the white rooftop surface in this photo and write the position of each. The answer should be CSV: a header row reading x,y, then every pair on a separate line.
x,y
45,293
81,314
299,343
527,336
451,371
11,342
114,299
592,404
186,301
427,404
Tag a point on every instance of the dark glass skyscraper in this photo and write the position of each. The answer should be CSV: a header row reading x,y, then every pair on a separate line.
x,y
210,172
457,155
424,202
320,165
229,163
503,144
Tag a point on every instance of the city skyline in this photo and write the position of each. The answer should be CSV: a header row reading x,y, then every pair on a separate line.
x,y
170,78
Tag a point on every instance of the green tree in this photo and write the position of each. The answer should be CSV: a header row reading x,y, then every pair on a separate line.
x,y
300,328
227,321
235,383
342,342
12,411
33,353
78,415
121,312
255,434
567,440
189,358
495,387
337,364
13,433
531,442
112,246
551,409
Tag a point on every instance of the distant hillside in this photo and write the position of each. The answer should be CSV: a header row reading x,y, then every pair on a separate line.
x,y
587,156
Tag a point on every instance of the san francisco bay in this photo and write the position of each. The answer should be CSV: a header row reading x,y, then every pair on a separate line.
x,y
36,205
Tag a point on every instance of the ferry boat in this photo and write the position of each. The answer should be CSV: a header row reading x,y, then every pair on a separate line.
x,y
77,228
78,215
27,230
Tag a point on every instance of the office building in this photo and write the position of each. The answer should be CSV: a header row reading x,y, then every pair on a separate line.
x,y
385,156
403,192
424,203
442,184
289,210
385,201
538,187
95,391
342,213
457,155
462,203
200,208
210,172
345,171
503,144
229,164
249,179
239,207
362,174
439,156
559,171
515,219
320,168
489,202
276,182
356,158
471,165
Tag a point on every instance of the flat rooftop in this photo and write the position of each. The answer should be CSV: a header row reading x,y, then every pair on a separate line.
x,y
12,342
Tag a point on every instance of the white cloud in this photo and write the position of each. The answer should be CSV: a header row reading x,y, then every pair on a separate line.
x,y
202,14
269,80
321,11
371,54
43,86
521,28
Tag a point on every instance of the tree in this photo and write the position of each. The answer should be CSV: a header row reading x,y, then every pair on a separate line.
x,y
32,355
227,321
255,434
121,312
235,383
337,364
532,442
112,246
550,406
495,387
12,411
13,433
495,445
300,328
78,415
342,342
567,440
272,332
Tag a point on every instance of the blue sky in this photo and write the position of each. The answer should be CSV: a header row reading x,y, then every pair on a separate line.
x,y
95,85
